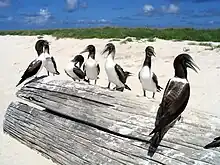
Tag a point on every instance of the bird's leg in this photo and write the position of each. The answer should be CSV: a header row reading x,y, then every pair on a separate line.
x,y
48,73
153,95
89,81
144,93
95,81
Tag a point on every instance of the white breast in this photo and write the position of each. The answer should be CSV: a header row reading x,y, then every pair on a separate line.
x,y
50,65
111,73
146,79
91,69
69,71
41,58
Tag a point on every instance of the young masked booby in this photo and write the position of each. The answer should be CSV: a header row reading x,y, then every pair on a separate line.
x,y
148,78
91,67
34,67
50,64
115,73
74,71
214,143
174,101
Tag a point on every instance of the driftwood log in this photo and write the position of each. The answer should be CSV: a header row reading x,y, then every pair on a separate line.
x,y
85,124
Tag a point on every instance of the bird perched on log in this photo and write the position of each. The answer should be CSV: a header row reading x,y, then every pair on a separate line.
x,y
74,71
148,78
91,67
214,143
174,101
50,64
115,73
35,66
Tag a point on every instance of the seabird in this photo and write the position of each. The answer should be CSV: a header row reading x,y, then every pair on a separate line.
x,y
148,78
115,73
174,101
50,64
34,67
74,71
214,143
91,67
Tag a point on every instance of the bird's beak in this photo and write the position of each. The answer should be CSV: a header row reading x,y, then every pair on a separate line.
x,y
193,66
86,50
154,54
105,50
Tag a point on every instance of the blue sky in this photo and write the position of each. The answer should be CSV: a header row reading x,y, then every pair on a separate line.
x,y
42,14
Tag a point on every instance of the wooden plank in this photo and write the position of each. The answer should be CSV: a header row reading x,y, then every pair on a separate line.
x,y
122,114
68,142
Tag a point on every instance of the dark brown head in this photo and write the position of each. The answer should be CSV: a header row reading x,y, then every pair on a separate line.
x,y
150,51
110,48
181,63
39,46
78,59
91,50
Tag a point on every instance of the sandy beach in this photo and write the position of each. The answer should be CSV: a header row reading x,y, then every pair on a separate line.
x,y
18,51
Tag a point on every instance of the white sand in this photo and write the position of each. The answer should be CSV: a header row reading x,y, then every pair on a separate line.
x,y
18,51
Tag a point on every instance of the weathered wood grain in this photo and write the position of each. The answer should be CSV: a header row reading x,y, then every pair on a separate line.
x,y
112,114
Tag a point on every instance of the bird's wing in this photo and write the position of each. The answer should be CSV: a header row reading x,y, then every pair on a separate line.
x,y
54,63
79,73
32,69
174,101
98,69
120,73
154,77
84,67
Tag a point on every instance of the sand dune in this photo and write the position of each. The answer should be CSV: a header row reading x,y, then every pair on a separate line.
x,y
18,51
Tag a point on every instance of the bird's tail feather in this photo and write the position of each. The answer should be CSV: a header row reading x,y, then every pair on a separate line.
x,y
127,87
154,143
86,80
21,81
159,88
215,143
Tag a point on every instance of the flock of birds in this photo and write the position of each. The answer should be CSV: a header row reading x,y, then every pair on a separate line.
x,y
176,93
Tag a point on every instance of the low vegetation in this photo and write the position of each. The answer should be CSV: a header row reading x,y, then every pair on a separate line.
x,y
176,34
209,45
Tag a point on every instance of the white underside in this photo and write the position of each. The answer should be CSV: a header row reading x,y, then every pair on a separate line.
x,y
146,79
111,73
69,70
49,65
91,69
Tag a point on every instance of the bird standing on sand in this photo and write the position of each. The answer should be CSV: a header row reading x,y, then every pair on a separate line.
x,y
74,71
174,101
50,65
34,67
148,78
214,143
91,67
115,73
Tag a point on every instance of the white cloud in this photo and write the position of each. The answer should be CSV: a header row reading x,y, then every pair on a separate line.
x,y
71,4
148,8
40,18
4,3
170,9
